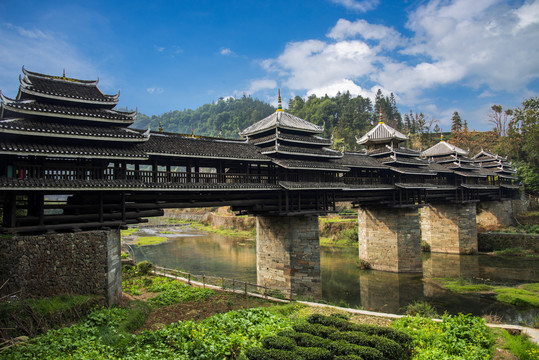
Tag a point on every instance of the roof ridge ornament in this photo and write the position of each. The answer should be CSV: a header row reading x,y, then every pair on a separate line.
x,y
381,121
279,104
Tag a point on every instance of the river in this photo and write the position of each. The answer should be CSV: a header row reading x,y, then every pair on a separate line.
x,y
343,282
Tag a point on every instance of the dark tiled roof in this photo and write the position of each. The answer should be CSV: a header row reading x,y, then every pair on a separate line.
x,y
305,151
127,151
72,112
305,139
479,186
61,87
212,186
407,160
389,150
284,120
185,146
310,165
425,186
292,185
359,160
413,170
12,183
439,168
477,174
49,128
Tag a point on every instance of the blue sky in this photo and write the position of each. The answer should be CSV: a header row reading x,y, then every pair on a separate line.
x,y
436,56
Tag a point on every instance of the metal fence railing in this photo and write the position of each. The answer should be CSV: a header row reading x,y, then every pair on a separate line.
x,y
222,284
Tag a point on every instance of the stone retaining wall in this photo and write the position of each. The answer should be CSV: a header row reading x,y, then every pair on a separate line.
x,y
52,264
493,241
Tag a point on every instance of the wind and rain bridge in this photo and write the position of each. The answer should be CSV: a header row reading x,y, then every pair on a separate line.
x,y
72,173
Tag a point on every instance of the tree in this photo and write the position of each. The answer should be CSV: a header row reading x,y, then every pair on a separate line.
x,y
500,119
456,122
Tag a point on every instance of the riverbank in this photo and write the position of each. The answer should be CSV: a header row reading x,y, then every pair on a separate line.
x,y
173,320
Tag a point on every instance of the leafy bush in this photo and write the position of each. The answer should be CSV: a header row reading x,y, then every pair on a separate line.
x,y
309,340
520,345
389,348
457,337
144,267
421,308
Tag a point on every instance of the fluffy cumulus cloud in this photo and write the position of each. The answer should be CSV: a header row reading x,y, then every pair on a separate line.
x,y
39,51
486,45
227,52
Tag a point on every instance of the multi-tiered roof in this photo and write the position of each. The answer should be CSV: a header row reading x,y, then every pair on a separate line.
x,y
453,158
383,144
293,143
59,117
495,163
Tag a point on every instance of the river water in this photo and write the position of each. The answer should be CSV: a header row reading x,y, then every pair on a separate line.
x,y
343,282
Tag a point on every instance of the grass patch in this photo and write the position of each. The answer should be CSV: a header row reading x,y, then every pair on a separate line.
x,y
150,240
519,345
58,304
128,232
462,285
224,232
518,296
526,295
517,251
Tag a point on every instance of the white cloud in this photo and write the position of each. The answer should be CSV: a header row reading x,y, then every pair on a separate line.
x,y
38,51
343,86
262,84
345,29
160,48
227,52
314,63
480,44
154,90
357,5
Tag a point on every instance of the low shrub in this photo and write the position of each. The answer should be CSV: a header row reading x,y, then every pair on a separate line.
x,y
269,354
278,342
421,308
315,329
389,348
312,353
309,340
144,267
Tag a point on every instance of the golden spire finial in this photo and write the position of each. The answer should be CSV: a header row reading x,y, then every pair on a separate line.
x,y
381,118
279,105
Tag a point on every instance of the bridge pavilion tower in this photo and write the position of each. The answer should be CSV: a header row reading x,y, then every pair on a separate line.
x,y
389,236
61,136
288,243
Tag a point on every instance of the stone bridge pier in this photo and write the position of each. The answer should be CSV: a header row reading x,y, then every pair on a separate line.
x,y
288,254
389,238
450,228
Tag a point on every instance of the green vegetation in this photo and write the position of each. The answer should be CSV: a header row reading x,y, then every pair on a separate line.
x,y
335,231
150,240
421,308
129,231
526,295
519,229
456,337
519,345
330,337
290,331
33,316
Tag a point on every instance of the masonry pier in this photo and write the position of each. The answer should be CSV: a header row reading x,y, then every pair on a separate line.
x,y
450,228
288,254
85,262
389,238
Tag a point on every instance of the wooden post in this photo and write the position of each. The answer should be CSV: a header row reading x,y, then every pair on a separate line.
x,y
246,289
